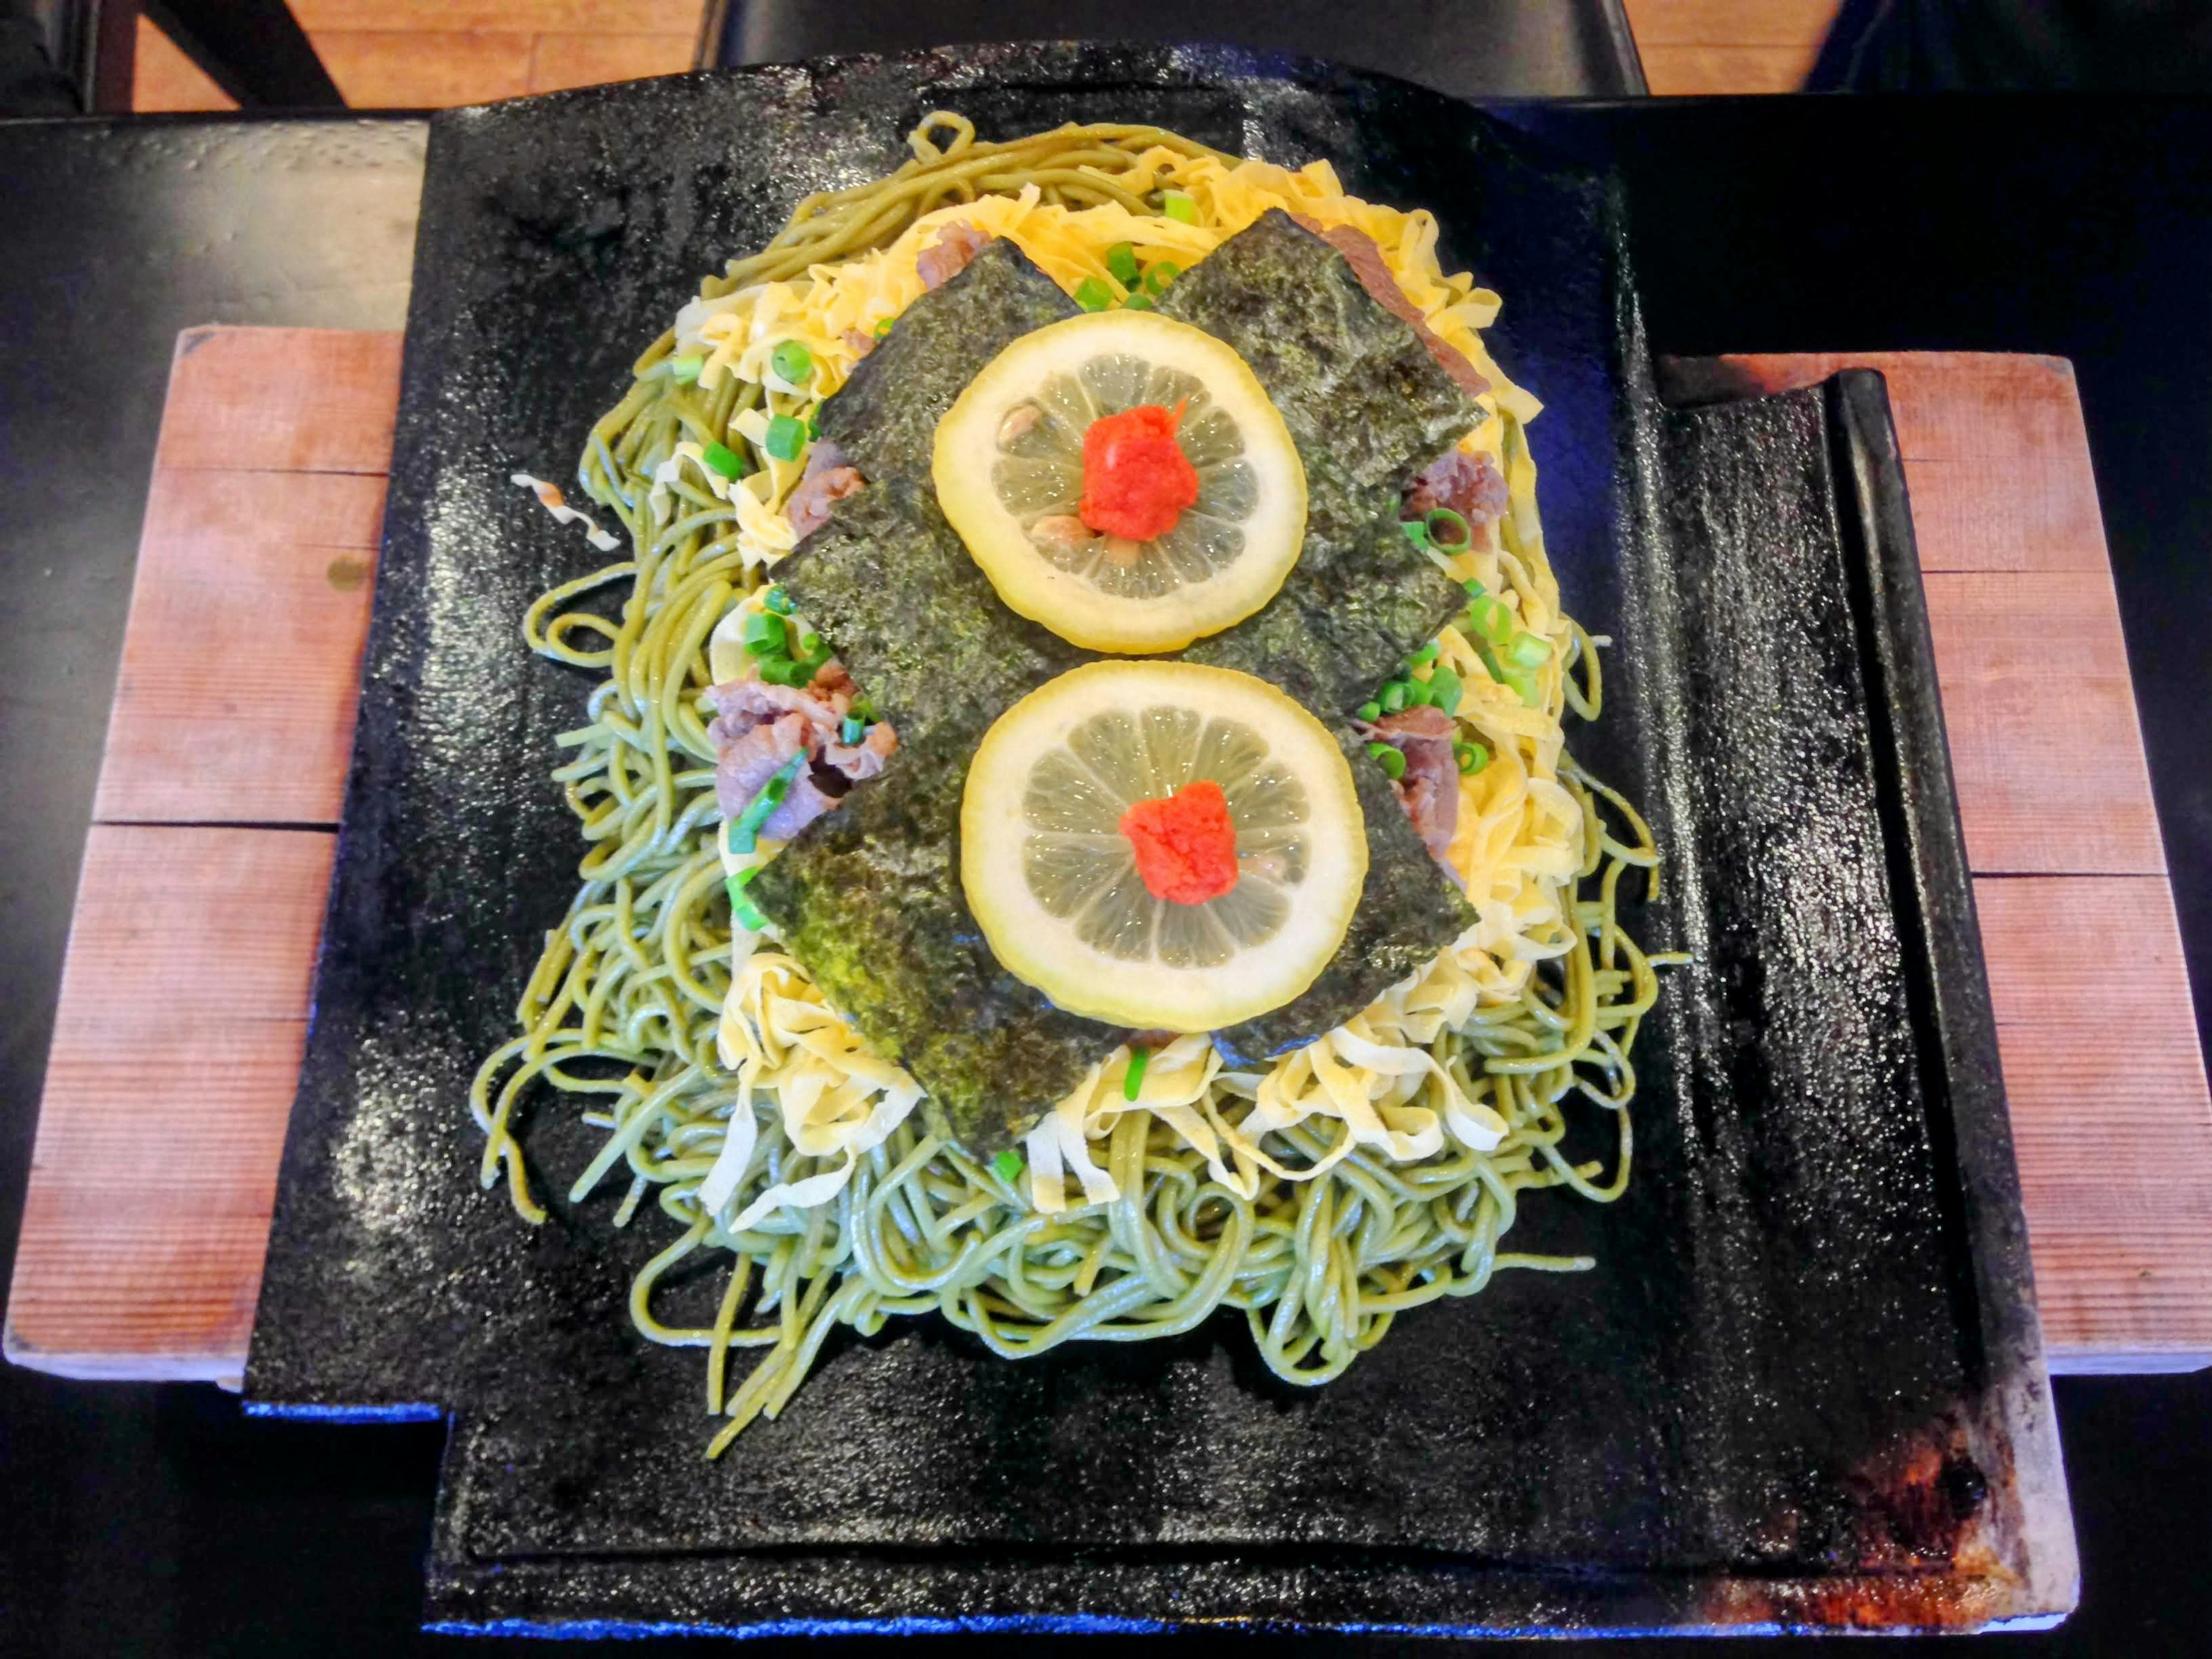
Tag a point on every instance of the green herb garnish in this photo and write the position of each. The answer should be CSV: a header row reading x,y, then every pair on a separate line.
x,y
787,438
746,914
793,362
1134,1084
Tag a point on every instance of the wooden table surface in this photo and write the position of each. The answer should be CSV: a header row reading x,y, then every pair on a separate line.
x,y
184,1002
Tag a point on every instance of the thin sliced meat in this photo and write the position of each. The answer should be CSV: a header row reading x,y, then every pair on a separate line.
x,y
826,480
742,704
834,685
1429,791
749,759
758,728
864,759
1470,485
948,256
803,803
1367,263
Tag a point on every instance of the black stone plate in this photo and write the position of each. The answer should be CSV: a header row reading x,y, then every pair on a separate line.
x,y
1804,1386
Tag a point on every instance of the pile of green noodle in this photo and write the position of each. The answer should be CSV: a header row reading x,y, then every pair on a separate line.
x,y
623,1009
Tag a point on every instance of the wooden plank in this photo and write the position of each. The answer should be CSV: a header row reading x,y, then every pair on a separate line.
x,y
501,17
2111,1123
247,619
1692,71
1984,513
165,80
282,400
589,60
379,69
1802,23
2041,717
188,976
177,1044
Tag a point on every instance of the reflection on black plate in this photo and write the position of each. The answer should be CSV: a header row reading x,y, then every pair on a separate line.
x,y
1804,1387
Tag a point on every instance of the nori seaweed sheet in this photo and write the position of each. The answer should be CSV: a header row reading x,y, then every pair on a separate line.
x,y
1409,910
868,898
885,416
914,620
1368,408
1360,598
1352,380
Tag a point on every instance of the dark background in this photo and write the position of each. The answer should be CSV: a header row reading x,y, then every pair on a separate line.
x,y
157,1521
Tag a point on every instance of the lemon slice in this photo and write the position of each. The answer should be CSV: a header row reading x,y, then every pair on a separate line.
x,y
1009,472
1053,876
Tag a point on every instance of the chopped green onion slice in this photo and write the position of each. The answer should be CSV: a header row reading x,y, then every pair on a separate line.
x,y
1007,1166
864,707
1122,260
1531,650
741,908
1159,274
764,627
686,369
1472,756
1134,1084
1370,711
1416,532
884,329
1522,683
787,438
1427,653
1392,762
1417,693
724,460
793,362
809,644
1136,302
778,601
1092,295
1445,690
853,730
1491,620
1179,207
1474,589
1394,696
778,786
1443,518
813,428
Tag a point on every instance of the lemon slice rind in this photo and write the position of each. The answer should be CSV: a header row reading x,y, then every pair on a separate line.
x,y
1067,604
1044,951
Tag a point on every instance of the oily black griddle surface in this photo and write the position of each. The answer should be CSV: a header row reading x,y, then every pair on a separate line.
x,y
1804,1382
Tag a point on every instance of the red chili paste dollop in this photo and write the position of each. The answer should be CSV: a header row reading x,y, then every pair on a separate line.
x,y
1136,479
1186,846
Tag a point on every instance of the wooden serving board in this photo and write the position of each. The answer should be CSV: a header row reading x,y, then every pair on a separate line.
x,y
184,996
